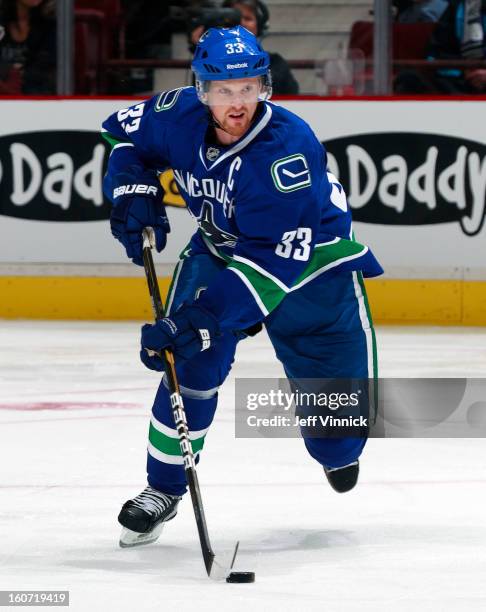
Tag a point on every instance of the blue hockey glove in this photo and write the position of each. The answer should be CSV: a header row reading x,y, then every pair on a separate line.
x,y
138,204
189,331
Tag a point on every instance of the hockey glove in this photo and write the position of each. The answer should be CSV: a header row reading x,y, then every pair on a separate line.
x,y
138,204
189,331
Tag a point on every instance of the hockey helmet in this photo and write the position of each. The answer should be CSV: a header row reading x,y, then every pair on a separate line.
x,y
234,53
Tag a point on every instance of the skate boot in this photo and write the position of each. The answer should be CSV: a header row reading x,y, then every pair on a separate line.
x,y
143,517
343,479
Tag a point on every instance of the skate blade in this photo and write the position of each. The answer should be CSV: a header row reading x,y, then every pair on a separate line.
x,y
129,538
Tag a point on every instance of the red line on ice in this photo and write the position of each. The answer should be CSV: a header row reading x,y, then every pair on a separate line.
x,y
65,405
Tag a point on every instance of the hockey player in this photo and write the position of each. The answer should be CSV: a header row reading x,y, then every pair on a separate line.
x,y
274,244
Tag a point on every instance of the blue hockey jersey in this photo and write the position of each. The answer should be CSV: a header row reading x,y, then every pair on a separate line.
x,y
266,204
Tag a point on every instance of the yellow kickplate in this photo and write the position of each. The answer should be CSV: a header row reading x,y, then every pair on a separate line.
x,y
431,302
404,301
415,301
69,297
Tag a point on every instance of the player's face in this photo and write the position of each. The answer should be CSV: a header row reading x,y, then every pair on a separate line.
x,y
233,103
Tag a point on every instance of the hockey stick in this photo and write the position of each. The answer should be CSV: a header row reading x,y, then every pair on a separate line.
x,y
214,568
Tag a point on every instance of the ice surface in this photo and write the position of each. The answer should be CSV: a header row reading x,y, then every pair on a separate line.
x,y
74,407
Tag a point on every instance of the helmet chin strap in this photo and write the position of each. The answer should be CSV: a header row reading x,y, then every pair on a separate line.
x,y
213,123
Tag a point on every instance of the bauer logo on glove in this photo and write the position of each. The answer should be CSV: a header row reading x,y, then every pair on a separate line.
x,y
138,204
205,339
131,189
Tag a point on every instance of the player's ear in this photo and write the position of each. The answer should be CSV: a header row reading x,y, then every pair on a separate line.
x,y
202,91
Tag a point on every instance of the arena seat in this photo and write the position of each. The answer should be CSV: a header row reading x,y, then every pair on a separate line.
x,y
87,55
100,36
409,41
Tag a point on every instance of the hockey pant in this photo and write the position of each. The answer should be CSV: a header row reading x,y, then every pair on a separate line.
x,y
323,330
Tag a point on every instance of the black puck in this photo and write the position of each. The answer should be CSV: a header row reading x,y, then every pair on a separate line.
x,y
241,577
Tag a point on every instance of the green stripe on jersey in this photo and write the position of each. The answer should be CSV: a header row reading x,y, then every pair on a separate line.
x,y
372,327
325,255
268,291
112,140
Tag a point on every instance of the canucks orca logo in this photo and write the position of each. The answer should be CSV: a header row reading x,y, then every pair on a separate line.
x,y
207,224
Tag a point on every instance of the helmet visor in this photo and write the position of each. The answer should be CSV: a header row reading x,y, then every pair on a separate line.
x,y
234,92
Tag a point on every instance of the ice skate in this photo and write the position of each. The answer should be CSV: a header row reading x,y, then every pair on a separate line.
x,y
143,517
343,479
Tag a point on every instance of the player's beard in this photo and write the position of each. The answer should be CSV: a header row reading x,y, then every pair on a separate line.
x,y
236,122
234,125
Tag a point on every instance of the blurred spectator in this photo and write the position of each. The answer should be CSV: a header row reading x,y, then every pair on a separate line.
x,y
27,47
147,29
204,15
254,17
418,11
461,34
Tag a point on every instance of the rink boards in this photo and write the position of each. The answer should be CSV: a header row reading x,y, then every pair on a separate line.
x,y
414,172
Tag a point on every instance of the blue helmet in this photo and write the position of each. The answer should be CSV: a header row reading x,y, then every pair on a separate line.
x,y
229,53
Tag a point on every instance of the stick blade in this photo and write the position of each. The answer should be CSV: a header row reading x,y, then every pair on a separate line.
x,y
222,566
